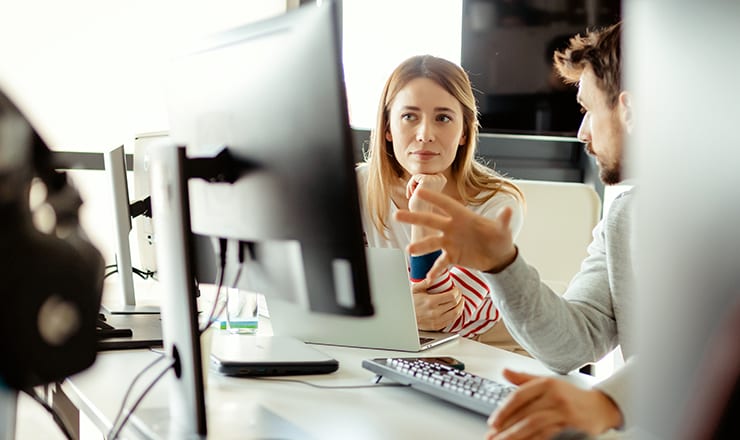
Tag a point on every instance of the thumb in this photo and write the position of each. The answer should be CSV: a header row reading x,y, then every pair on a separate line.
x,y
517,378
504,216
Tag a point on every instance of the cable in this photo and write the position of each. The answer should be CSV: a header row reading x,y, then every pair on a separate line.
x,y
131,387
213,315
234,284
339,387
116,431
222,248
57,419
144,274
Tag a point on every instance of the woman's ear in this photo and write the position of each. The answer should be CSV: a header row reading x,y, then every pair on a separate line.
x,y
388,136
625,110
463,139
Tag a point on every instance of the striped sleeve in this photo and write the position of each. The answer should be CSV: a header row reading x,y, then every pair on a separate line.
x,y
479,313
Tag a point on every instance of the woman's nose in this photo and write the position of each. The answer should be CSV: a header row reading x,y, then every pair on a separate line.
x,y
424,133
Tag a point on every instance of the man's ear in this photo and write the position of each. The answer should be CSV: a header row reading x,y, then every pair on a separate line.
x,y
625,110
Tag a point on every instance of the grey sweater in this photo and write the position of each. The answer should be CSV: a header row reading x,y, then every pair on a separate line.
x,y
592,317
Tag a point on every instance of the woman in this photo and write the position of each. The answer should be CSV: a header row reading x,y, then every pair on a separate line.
x,y
426,136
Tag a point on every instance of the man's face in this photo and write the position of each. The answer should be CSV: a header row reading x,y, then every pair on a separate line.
x,y
601,129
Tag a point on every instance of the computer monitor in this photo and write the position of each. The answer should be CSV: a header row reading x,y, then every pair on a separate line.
x,y
271,94
143,225
115,166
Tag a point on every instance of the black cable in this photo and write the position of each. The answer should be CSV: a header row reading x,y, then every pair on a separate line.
x,y
131,387
57,419
115,433
145,274
338,387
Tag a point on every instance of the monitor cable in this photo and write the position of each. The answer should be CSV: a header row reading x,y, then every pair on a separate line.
x,y
375,384
117,425
144,274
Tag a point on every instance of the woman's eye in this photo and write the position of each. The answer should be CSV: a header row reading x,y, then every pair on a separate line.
x,y
444,118
408,117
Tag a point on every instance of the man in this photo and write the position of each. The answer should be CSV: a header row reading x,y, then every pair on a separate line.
x,y
593,316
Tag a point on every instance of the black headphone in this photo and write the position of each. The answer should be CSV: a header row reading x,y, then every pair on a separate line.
x,y
51,281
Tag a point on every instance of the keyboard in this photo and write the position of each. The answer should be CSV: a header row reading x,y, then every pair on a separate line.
x,y
461,388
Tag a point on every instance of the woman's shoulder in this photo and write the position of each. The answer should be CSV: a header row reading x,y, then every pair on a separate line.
x,y
496,202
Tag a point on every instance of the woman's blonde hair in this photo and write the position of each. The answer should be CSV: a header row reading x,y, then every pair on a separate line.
x,y
476,183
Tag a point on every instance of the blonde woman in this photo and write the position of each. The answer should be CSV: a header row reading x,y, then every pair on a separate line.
x,y
425,137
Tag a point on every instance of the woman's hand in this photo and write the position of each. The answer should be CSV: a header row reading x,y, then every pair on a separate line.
x,y
435,311
433,182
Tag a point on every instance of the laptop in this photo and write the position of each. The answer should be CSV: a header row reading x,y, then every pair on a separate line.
x,y
252,355
392,327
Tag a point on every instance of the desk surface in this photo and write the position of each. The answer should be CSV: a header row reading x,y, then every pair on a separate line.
x,y
259,408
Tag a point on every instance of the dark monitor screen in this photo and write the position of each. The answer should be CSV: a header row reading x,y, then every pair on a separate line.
x,y
271,94
507,49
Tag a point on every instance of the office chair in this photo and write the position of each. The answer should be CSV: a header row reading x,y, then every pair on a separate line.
x,y
557,228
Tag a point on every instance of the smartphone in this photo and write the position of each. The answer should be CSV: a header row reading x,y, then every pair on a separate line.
x,y
445,360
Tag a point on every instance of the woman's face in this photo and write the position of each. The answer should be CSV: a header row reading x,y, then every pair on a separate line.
x,y
426,128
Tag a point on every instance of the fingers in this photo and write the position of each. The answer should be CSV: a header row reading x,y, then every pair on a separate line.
x,y
426,245
516,377
440,265
441,201
523,397
428,219
412,184
420,286
504,216
435,311
543,424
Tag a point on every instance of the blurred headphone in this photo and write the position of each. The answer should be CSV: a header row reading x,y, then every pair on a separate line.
x,y
51,280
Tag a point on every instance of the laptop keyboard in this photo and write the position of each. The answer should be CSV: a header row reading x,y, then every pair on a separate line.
x,y
461,388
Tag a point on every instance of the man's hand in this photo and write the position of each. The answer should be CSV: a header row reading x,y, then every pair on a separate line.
x,y
466,238
544,406
435,311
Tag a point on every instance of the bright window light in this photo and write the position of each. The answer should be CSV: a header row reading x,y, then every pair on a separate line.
x,y
379,34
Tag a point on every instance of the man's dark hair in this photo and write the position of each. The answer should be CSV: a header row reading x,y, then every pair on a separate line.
x,y
602,51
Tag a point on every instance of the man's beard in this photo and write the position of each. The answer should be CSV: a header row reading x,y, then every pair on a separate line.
x,y
610,175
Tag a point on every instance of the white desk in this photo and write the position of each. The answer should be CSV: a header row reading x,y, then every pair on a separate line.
x,y
252,408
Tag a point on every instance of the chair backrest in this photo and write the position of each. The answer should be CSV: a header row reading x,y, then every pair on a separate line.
x,y
558,222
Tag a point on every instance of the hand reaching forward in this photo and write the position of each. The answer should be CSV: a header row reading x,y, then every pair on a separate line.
x,y
466,238
543,406
435,311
